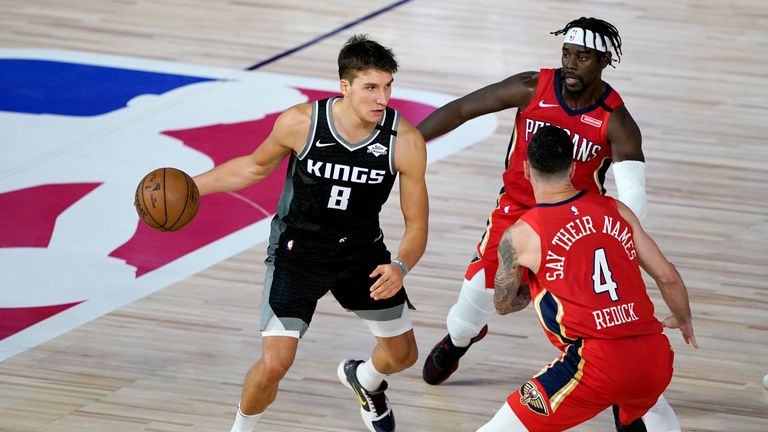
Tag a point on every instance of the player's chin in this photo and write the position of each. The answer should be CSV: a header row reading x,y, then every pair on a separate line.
x,y
575,88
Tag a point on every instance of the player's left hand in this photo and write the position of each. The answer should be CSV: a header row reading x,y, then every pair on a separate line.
x,y
686,329
390,281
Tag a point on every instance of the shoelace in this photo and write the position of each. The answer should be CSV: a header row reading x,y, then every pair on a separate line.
x,y
447,354
377,402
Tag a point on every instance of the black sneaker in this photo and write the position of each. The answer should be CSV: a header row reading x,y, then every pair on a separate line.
x,y
374,406
636,426
443,360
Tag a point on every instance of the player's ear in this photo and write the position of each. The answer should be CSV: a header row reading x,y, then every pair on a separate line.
x,y
344,86
572,170
605,59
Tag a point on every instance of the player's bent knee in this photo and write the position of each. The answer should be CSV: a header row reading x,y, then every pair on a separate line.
x,y
277,356
274,370
401,350
403,357
406,359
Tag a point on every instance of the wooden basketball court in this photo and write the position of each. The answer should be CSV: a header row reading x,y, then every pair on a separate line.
x,y
692,75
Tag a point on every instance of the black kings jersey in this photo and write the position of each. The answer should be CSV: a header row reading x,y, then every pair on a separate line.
x,y
335,189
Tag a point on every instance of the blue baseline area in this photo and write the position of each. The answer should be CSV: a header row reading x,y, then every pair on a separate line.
x,y
73,89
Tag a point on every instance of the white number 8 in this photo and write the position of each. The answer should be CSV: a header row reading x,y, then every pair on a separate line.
x,y
339,197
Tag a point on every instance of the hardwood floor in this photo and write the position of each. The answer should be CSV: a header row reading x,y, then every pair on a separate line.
x,y
693,76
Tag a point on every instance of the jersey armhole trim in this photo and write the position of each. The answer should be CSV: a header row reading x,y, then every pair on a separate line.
x,y
541,88
530,220
392,141
312,131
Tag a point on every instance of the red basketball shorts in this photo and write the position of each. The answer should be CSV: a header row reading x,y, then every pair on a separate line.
x,y
593,375
502,217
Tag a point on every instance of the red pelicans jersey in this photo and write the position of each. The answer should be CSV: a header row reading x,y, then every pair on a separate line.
x,y
587,127
589,283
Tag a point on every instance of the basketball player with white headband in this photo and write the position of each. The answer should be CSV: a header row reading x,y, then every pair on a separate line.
x,y
576,99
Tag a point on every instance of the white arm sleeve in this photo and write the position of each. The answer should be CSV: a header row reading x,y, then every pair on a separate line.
x,y
630,183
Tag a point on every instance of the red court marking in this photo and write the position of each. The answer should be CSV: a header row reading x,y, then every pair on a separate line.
x,y
14,320
29,215
219,214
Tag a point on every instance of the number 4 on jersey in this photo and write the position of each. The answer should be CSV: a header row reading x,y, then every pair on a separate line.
x,y
601,277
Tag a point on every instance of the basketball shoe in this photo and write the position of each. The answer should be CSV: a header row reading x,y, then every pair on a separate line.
x,y
636,426
374,405
443,360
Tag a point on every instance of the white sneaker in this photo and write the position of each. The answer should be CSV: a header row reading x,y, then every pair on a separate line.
x,y
374,405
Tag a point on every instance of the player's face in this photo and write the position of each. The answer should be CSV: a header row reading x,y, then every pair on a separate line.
x,y
369,93
582,67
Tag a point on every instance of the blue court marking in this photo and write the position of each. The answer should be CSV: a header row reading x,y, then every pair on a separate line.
x,y
330,33
73,89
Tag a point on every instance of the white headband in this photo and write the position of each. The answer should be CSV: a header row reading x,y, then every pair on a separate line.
x,y
575,35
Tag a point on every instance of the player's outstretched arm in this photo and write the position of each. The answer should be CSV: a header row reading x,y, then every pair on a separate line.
x,y
411,162
515,91
290,130
667,278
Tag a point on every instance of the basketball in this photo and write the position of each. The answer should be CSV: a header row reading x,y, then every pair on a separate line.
x,y
167,199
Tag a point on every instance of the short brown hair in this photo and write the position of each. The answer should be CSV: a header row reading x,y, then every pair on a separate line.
x,y
360,53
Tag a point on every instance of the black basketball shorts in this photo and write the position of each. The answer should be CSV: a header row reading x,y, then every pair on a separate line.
x,y
293,286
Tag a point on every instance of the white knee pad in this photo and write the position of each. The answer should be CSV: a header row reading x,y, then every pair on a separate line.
x,y
661,417
471,312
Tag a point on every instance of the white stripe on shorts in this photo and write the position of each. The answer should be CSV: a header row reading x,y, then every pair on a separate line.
x,y
391,328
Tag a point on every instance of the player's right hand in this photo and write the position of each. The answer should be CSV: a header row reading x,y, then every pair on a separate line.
x,y
389,282
686,329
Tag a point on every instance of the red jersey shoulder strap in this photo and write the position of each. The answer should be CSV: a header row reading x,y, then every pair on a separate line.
x,y
544,87
613,100
531,218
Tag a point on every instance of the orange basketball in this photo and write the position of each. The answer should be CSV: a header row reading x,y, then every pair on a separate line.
x,y
167,199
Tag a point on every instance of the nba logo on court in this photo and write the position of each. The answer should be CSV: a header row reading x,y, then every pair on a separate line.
x,y
80,131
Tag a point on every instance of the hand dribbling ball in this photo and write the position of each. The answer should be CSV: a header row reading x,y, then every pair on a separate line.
x,y
167,199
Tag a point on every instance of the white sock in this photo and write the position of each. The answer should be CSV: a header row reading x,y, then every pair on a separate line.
x,y
369,377
661,417
244,423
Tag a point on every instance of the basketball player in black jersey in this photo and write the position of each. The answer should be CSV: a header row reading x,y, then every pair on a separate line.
x,y
345,154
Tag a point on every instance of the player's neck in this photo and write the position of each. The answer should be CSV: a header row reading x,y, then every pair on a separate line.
x,y
551,193
348,123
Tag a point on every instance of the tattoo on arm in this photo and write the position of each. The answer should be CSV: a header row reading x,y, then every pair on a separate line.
x,y
507,279
521,300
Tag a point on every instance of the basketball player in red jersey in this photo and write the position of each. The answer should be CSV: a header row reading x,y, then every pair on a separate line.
x,y
573,97
582,253
576,99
